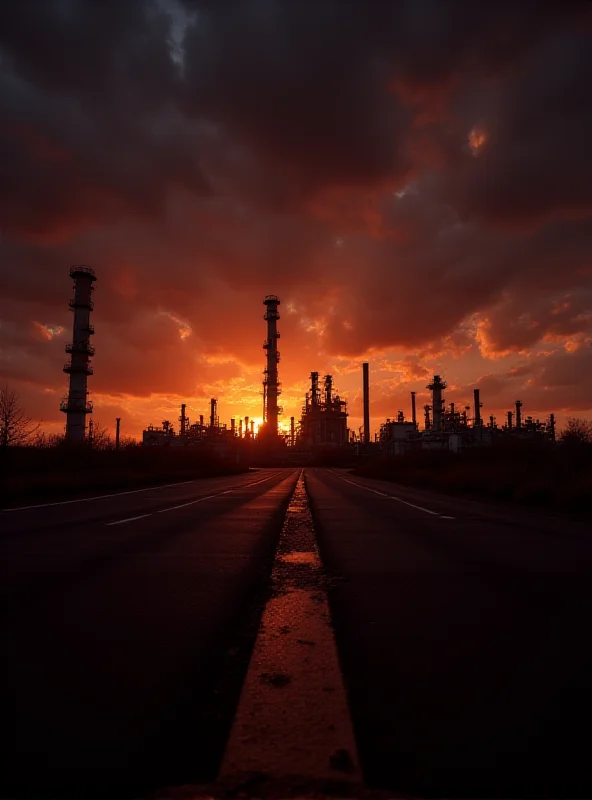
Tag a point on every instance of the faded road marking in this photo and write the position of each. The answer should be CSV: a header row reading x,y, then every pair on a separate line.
x,y
193,502
398,500
98,497
117,494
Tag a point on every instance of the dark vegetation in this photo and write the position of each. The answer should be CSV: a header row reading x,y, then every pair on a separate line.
x,y
38,474
544,474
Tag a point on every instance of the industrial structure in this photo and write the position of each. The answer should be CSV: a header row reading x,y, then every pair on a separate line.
x,y
324,416
324,420
366,392
76,404
271,384
447,427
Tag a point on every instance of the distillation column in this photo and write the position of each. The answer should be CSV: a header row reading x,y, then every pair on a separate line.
x,y
271,385
437,386
76,405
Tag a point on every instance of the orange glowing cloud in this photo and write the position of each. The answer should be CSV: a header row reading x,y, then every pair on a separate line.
x,y
477,140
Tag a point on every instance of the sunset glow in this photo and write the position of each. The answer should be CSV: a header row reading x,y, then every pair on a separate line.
x,y
193,196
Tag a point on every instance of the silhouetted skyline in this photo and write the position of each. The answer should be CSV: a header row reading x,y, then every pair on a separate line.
x,y
412,180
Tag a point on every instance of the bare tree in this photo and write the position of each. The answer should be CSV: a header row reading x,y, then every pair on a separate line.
x,y
16,428
576,432
100,439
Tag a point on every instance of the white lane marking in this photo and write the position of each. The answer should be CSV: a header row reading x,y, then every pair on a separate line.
x,y
99,497
398,500
193,502
105,496
129,519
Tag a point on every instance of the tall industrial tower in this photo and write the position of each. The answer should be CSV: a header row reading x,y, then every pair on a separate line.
x,y
271,385
76,405
437,386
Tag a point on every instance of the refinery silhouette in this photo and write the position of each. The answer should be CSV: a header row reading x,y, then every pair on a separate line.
x,y
324,417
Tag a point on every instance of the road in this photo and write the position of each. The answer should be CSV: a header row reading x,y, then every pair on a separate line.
x,y
127,624
464,641
124,645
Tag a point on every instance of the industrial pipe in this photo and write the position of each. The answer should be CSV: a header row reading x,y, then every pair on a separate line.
x,y
366,383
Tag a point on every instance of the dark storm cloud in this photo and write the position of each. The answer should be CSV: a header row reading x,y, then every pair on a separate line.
x,y
88,128
324,86
262,155
535,164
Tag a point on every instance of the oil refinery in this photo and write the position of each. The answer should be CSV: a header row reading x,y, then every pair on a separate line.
x,y
323,423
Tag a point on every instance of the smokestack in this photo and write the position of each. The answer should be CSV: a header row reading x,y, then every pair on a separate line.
x,y
271,383
518,414
477,408
213,414
252,429
292,436
201,421
246,427
413,410
76,405
117,426
183,419
240,429
233,427
366,384
510,420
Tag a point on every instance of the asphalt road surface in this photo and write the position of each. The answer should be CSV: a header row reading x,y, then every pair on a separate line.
x,y
464,641
126,625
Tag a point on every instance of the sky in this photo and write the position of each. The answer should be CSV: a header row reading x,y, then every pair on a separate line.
x,y
413,179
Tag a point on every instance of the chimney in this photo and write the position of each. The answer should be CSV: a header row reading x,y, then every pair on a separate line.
x,y
366,381
271,384
413,411
477,409
509,420
76,405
